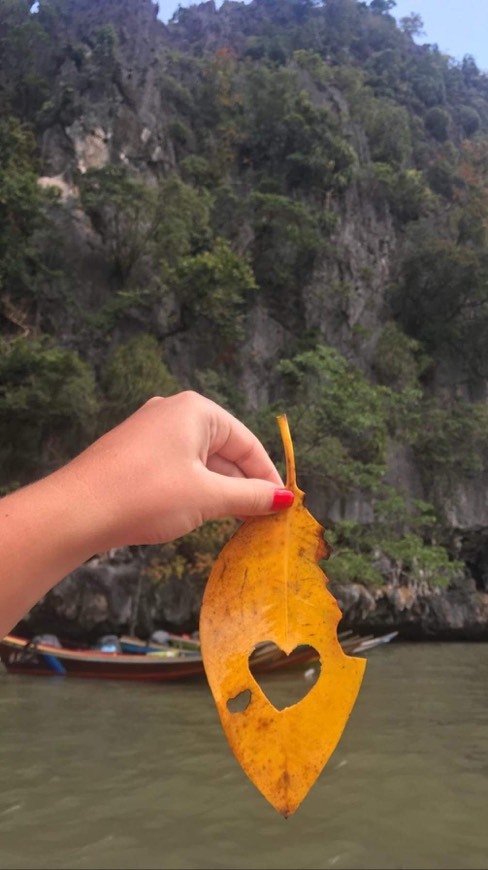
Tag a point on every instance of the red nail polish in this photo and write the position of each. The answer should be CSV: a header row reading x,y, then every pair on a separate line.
x,y
283,498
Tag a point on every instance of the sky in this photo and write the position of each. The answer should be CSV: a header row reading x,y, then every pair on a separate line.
x,y
458,27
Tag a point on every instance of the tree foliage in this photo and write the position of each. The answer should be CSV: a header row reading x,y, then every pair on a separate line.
x,y
286,240
21,211
212,287
135,220
340,420
134,373
443,301
48,405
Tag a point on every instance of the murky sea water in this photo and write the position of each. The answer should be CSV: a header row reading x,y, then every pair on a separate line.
x,y
108,775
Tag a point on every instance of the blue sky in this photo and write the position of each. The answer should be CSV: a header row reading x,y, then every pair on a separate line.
x,y
459,27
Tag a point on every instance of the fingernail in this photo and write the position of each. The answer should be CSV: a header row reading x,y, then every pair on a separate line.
x,y
283,498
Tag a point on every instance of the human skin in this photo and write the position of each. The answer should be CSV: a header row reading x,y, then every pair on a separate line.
x,y
165,470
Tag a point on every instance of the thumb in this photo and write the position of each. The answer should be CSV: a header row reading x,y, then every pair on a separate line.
x,y
241,496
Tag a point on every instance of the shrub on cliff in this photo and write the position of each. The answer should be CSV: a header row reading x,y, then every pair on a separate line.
x,y
48,406
133,373
22,213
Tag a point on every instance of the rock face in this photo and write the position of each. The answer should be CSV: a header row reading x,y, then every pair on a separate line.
x,y
120,117
418,614
110,595
96,119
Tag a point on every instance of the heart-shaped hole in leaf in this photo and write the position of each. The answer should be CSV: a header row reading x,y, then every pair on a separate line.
x,y
284,689
240,702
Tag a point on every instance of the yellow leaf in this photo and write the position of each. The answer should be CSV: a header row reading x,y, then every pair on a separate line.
x,y
266,585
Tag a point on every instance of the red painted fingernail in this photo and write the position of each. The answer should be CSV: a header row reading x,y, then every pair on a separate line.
x,y
283,498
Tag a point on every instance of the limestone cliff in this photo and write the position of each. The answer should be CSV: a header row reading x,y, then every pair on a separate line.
x,y
158,102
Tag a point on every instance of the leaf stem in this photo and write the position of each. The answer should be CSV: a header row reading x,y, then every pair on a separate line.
x,y
291,477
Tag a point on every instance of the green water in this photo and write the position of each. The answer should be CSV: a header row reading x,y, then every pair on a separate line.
x,y
108,775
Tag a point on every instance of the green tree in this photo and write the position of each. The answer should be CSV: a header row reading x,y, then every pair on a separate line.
x,y
48,406
398,359
443,299
183,220
340,420
382,5
212,288
452,443
469,119
427,78
438,122
287,238
21,213
106,43
395,547
342,19
386,72
388,129
404,191
135,221
134,372
24,49
290,138
412,24
470,69
122,210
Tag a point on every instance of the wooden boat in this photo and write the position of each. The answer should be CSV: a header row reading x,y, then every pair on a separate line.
x,y
136,646
24,657
367,643
21,656
187,643
132,644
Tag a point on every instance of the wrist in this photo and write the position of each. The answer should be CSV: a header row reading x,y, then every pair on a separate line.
x,y
45,532
69,506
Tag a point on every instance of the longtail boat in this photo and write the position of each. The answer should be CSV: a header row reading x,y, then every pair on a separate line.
x,y
367,643
131,644
22,656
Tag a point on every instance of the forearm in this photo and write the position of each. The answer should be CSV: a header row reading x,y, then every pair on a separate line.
x,y
46,530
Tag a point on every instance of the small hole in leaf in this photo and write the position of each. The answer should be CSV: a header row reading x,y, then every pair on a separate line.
x,y
240,702
285,680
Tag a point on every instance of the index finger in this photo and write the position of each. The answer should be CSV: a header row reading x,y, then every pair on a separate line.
x,y
233,441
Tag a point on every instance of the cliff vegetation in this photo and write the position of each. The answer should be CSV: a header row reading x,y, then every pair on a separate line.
x,y
282,205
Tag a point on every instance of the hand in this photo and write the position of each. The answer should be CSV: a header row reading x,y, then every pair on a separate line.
x,y
172,465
